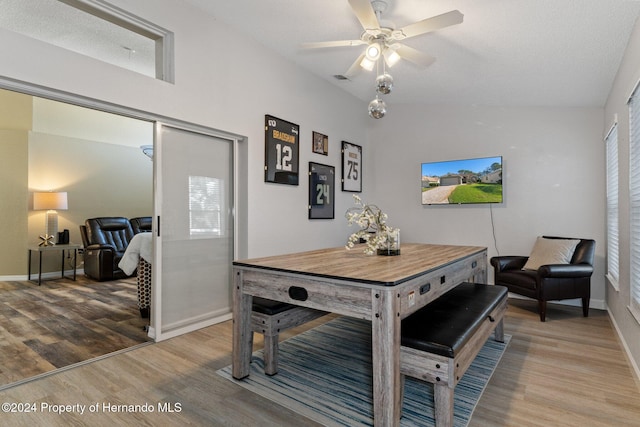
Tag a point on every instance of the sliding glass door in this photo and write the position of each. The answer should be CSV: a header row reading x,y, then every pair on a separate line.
x,y
194,241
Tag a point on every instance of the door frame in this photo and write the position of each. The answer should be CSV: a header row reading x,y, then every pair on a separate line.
x,y
239,152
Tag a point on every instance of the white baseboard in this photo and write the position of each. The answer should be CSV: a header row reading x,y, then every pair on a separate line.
x,y
34,276
598,304
633,363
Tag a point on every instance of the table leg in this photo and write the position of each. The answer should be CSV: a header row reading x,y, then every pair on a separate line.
x,y
385,332
75,263
39,268
62,267
242,334
29,265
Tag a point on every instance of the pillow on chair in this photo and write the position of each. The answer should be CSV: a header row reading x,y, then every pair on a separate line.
x,y
551,251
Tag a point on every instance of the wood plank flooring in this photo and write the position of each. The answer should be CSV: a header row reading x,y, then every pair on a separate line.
x,y
568,371
63,322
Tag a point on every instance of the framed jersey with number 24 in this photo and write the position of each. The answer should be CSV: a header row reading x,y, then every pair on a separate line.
x,y
351,167
281,151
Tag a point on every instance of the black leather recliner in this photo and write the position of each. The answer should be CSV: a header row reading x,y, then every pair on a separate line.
x,y
105,241
141,224
550,282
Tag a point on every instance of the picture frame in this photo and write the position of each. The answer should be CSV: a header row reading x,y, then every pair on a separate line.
x,y
320,143
321,191
351,167
281,151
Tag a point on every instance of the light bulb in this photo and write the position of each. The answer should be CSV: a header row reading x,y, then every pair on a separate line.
x,y
373,51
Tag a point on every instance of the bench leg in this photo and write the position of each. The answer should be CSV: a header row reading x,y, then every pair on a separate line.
x,y
271,354
498,333
443,399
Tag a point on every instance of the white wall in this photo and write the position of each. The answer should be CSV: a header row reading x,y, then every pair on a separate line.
x,y
618,299
229,86
553,176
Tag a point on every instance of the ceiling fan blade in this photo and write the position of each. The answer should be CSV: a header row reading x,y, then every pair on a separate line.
x,y
431,24
355,68
365,14
338,43
413,55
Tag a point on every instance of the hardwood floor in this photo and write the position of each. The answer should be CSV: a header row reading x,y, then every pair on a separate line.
x,y
63,322
568,371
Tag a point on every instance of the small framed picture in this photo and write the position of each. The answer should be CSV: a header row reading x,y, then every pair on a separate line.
x,y
281,154
351,167
320,143
321,191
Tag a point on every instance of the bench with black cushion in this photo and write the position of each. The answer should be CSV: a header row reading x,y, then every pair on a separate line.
x,y
440,341
269,318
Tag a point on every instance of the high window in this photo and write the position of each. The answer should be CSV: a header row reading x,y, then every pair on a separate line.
x,y
94,28
612,207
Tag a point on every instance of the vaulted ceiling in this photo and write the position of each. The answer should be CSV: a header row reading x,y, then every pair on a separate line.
x,y
506,52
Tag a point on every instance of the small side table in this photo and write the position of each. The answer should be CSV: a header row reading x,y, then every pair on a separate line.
x,y
66,247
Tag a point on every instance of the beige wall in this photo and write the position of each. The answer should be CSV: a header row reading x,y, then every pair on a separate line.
x,y
101,179
15,122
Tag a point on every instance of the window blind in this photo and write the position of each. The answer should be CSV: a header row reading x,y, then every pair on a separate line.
x,y
613,263
634,200
205,201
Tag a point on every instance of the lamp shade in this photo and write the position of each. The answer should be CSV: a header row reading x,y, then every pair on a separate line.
x,y
50,201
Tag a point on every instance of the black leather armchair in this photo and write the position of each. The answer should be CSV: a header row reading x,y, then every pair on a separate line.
x,y
141,224
550,282
105,241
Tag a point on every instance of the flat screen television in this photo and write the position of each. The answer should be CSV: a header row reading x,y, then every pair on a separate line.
x,y
460,182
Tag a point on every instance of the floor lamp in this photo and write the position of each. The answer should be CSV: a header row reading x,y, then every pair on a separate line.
x,y
51,202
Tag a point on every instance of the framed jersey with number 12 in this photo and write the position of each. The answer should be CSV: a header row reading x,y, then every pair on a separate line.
x,y
351,167
281,151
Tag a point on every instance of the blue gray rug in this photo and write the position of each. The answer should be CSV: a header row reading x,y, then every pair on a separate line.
x,y
325,374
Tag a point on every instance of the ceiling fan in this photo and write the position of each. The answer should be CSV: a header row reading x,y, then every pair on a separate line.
x,y
383,40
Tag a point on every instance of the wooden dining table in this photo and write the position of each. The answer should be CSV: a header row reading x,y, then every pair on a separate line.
x,y
381,289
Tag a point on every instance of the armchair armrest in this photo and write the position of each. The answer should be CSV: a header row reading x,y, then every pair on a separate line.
x,y
503,263
98,246
565,270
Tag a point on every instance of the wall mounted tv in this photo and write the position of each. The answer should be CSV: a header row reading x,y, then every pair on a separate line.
x,y
459,182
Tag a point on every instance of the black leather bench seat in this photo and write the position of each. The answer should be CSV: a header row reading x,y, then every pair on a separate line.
x,y
269,307
446,324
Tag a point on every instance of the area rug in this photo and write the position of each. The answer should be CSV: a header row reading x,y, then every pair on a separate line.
x,y
325,374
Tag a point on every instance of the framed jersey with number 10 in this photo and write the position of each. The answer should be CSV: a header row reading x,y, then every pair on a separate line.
x,y
351,167
281,151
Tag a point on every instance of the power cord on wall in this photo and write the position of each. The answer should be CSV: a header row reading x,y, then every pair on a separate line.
x,y
493,230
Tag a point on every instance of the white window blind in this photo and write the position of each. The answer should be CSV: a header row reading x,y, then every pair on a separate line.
x,y
634,200
205,202
613,264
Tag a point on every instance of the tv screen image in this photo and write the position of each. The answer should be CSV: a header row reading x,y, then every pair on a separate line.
x,y
468,181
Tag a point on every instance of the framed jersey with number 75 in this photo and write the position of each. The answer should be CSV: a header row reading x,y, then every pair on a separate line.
x,y
351,167
281,151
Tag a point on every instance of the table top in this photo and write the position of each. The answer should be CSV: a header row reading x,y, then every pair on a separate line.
x,y
339,263
57,247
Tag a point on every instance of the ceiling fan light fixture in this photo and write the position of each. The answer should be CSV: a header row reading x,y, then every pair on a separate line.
x,y
391,57
373,51
377,108
367,64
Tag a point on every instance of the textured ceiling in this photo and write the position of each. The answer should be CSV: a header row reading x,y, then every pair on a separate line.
x,y
506,52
